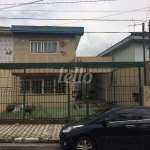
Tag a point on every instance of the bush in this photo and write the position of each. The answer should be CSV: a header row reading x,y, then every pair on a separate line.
x,y
10,107
29,108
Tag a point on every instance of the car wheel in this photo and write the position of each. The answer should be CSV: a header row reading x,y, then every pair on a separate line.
x,y
84,143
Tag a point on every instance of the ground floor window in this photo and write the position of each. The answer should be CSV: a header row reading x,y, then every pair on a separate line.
x,y
42,85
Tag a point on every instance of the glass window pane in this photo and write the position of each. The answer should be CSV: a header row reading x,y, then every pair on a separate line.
x,y
122,115
36,86
45,47
25,86
39,47
53,47
32,50
60,87
143,113
49,86
35,47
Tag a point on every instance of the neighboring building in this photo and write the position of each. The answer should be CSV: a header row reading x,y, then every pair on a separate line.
x,y
125,82
129,49
6,45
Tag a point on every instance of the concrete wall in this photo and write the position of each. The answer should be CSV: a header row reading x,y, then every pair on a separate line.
x,y
130,53
120,85
6,48
127,77
124,54
123,95
148,73
6,94
146,95
6,78
101,86
139,52
22,49
93,59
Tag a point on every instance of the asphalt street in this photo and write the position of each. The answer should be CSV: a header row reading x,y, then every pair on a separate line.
x,y
38,146
26,146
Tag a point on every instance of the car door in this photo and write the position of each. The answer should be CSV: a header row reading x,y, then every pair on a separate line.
x,y
143,127
119,133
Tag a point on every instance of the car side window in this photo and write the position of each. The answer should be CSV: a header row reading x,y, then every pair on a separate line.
x,y
143,113
122,114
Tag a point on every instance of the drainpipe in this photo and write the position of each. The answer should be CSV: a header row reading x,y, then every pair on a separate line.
x,y
144,58
149,40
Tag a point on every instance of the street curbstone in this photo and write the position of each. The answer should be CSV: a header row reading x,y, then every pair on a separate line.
x,y
26,140
48,140
6,140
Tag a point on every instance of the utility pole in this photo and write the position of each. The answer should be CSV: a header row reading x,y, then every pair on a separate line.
x,y
149,40
144,58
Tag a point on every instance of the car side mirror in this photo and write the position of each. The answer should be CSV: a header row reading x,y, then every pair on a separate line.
x,y
105,122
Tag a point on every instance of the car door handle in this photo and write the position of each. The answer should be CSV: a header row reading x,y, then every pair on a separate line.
x,y
130,126
140,126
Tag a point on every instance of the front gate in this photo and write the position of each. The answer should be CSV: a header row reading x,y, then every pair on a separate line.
x,y
67,91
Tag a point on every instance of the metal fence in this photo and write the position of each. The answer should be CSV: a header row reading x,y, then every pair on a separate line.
x,y
67,91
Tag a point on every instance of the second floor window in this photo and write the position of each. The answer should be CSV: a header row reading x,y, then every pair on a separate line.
x,y
44,47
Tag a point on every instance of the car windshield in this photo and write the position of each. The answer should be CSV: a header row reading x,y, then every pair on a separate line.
x,y
100,112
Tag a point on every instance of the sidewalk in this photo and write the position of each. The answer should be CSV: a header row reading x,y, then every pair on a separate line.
x,y
30,133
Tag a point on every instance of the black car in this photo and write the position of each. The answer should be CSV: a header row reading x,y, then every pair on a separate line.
x,y
126,127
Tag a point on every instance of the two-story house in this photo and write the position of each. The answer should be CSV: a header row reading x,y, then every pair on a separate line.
x,y
43,44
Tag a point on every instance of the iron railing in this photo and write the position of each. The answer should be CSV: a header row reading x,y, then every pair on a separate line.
x,y
49,91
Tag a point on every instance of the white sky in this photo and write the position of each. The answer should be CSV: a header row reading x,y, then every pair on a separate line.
x,y
90,44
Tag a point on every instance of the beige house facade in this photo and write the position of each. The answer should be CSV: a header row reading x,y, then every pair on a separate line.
x,y
42,44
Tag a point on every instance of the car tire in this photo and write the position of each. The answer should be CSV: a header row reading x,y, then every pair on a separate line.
x,y
84,143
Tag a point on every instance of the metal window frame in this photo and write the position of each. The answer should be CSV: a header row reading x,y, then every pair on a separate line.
x,y
42,87
42,46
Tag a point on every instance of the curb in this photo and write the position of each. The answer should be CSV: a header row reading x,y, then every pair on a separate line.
x,y
6,140
28,140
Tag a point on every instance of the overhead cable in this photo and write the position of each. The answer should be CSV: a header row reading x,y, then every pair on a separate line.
x,y
147,15
59,2
78,11
107,16
21,4
68,19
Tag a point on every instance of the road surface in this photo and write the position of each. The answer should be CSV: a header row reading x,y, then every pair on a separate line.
x,y
36,146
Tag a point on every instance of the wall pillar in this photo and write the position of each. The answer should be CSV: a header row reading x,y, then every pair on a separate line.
x,y
146,95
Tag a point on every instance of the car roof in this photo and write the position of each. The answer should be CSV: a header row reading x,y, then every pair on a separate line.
x,y
128,106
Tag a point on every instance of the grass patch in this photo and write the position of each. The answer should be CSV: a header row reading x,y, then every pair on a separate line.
x,y
46,112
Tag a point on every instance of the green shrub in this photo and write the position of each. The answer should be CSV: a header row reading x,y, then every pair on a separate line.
x,y
10,107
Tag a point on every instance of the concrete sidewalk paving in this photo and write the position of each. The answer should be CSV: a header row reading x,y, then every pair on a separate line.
x,y
30,133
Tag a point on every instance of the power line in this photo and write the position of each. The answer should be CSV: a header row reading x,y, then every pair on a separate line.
x,y
147,15
61,2
135,25
80,11
70,19
21,4
108,15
